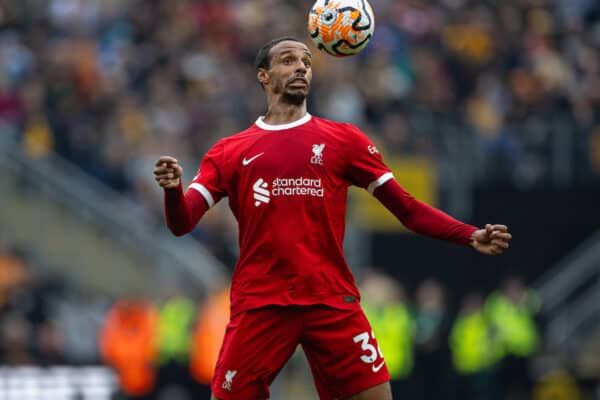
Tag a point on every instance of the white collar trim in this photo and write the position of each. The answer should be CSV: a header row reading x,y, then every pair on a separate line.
x,y
263,125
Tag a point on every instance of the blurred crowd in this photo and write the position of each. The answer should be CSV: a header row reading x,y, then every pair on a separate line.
x,y
111,84
45,319
512,88
485,345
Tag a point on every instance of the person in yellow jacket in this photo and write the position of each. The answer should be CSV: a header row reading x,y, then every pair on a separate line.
x,y
475,351
394,327
176,319
175,329
511,313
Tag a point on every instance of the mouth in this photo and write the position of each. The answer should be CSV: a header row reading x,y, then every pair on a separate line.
x,y
298,82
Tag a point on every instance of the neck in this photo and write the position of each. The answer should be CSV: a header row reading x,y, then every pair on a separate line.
x,y
279,113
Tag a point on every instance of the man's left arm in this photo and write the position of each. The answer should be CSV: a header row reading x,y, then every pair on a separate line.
x,y
429,221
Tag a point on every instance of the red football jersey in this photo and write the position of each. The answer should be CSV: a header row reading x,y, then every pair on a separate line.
x,y
287,186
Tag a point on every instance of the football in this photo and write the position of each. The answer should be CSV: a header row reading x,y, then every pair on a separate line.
x,y
341,28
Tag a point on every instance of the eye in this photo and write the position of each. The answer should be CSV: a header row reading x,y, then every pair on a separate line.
x,y
287,61
307,63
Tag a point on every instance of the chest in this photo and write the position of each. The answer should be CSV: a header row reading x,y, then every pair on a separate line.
x,y
285,170
290,157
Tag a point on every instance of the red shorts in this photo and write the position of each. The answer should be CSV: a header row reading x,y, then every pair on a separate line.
x,y
339,344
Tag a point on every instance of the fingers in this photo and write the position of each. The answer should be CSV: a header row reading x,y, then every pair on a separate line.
x,y
162,169
167,172
496,247
500,244
501,228
168,176
177,170
168,160
492,249
168,184
497,231
493,239
167,181
501,235
167,168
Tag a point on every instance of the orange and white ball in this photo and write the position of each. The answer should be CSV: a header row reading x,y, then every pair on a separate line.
x,y
341,28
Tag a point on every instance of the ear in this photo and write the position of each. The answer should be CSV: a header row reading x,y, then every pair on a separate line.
x,y
263,76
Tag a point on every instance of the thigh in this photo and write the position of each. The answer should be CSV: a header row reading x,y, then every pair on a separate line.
x,y
342,352
256,345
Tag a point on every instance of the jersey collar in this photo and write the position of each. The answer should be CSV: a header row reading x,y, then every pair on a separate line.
x,y
263,125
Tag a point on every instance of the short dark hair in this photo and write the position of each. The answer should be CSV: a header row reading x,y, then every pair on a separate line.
x,y
262,57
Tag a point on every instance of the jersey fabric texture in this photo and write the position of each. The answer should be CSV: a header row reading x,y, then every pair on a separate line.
x,y
339,345
287,186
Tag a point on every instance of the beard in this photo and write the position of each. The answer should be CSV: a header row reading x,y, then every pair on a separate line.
x,y
295,99
293,96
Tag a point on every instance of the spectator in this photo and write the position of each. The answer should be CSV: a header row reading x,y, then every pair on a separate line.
x,y
209,332
176,319
128,342
432,356
384,303
15,341
511,314
475,352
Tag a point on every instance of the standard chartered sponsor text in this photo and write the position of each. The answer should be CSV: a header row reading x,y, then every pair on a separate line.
x,y
297,187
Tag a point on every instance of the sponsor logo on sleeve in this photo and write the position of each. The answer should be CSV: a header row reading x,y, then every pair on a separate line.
x,y
372,149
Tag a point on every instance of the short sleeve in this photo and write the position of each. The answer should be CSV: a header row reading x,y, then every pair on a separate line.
x,y
209,181
366,167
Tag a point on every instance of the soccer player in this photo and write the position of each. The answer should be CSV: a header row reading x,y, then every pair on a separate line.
x,y
287,177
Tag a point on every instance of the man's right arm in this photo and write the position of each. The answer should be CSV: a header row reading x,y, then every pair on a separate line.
x,y
182,211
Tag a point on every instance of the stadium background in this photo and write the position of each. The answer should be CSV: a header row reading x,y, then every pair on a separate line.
x,y
489,110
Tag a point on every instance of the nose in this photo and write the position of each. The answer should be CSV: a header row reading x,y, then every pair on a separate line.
x,y
301,67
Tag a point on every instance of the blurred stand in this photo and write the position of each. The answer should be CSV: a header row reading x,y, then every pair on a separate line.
x,y
492,110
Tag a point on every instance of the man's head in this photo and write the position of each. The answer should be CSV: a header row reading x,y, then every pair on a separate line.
x,y
283,68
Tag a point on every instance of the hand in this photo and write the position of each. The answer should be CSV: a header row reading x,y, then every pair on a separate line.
x,y
492,240
168,172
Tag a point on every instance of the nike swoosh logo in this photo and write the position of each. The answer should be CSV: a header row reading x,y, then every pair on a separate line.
x,y
248,161
378,367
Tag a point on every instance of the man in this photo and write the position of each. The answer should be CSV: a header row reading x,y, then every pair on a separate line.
x,y
286,178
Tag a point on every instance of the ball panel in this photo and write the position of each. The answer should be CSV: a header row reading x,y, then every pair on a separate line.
x,y
341,28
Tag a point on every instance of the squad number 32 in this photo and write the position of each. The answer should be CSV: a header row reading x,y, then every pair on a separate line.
x,y
371,354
